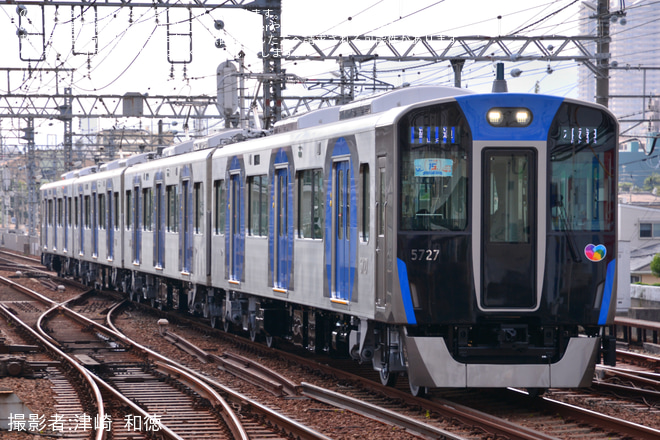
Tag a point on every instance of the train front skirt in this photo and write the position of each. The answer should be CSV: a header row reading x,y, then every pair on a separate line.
x,y
431,365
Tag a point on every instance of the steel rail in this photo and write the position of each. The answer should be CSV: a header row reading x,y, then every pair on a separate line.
x,y
296,429
183,375
375,412
55,351
636,431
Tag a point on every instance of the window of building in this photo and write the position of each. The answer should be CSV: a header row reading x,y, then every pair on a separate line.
x,y
649,230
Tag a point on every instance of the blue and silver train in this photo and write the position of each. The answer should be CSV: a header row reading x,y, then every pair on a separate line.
x,y
461,239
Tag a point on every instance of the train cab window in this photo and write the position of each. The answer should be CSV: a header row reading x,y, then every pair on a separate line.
x,y
219,206
310,204
147,209
198,206
258,205
172,208
509,191
582,170
433,189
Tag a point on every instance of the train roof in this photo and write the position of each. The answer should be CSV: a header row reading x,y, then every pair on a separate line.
x,y
358,116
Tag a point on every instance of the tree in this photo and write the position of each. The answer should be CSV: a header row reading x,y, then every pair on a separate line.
x,y
652,181
655,265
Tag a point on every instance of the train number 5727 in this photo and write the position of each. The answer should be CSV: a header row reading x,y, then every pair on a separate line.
x,y
424,254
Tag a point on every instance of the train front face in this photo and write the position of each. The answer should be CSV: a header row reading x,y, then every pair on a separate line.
x,y
506,240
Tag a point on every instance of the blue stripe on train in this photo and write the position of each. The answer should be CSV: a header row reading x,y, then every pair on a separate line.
x,y
607,293
406,296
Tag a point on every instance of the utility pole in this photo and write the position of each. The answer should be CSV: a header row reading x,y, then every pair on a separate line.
x,y
603,53
66,116
31,177
272,60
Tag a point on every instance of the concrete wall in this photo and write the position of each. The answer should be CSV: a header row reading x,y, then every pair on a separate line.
x,y
644,302
20,243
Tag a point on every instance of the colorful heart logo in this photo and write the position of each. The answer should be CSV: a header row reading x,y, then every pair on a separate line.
x,y
595,253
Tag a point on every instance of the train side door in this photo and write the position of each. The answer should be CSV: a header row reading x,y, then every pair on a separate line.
x,y
282,258
381,238
235,230
109,226
341,276
67,214
137,226
159,242
55,224
81,223
186,245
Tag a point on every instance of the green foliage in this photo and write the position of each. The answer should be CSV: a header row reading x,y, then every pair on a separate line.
x,y
655,265
652,181
625,186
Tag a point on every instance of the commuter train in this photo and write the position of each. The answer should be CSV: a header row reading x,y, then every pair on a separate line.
x,y
461,239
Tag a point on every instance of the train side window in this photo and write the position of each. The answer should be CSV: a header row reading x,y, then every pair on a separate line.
x,y
69,217
310,204
366,196
219,204
50,212
147,209
77,211
116,200
172,209
198,207
59,212
101,211
258,205
87,212
129,208
381,202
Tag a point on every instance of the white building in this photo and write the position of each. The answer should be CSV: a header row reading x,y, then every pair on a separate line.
x,y
640,227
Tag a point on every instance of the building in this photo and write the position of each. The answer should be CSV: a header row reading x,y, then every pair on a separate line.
x,y
639,226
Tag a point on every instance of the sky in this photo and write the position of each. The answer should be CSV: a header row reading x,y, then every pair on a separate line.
x,y
119,50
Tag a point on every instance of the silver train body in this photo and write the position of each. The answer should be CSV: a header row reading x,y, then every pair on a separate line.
x,y
370,234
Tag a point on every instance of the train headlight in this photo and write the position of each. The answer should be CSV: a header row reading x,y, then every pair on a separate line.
x,y
509,117
523,117
495,117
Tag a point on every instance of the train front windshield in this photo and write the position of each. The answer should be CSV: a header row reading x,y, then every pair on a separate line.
x,y
434,170
583,169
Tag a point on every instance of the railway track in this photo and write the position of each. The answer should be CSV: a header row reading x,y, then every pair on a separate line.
x,y
420,417
359,395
